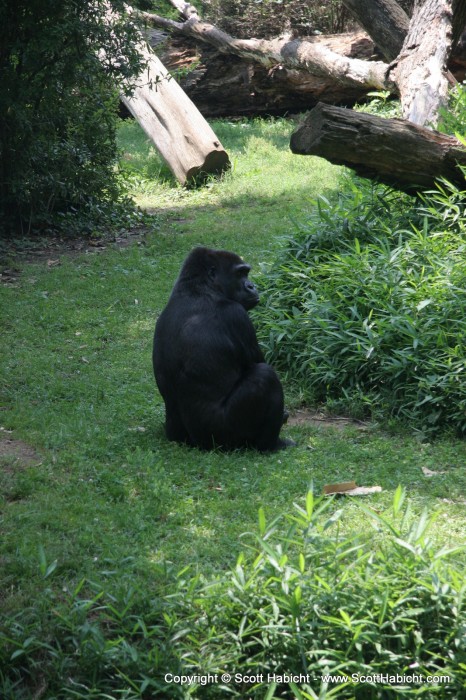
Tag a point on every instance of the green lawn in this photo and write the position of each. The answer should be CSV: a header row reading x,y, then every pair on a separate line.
x,y
107,497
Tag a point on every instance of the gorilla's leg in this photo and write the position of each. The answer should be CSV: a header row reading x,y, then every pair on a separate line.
x,y
253,412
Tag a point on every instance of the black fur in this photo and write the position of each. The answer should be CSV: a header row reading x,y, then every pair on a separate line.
x,y
210,371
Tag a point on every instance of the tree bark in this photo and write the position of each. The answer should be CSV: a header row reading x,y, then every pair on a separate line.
x,y
394,151
384,20
222,85
420,71
459,20
310,54
178,130
418,75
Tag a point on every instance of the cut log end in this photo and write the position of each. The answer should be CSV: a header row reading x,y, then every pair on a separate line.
x,y
216,163
175,126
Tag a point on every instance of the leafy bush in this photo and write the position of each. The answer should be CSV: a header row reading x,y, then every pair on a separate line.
x,y
307,601
366,306
311,602
381,104
61,66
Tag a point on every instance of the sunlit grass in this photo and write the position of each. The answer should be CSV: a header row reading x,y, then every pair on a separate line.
x,y
262,167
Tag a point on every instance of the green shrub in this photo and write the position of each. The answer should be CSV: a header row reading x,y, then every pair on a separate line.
x,y
306,600
366,306
61,67
309,601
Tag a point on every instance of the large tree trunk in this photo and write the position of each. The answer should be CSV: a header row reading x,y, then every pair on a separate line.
x,y
310,54
385,21
178,130
393,151
222,85
420,70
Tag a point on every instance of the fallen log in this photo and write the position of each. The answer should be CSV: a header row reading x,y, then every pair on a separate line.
x,y
418,73
394,151
292,52
222,85
176,127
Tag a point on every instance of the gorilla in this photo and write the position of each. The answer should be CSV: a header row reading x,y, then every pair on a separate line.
x,y
210,371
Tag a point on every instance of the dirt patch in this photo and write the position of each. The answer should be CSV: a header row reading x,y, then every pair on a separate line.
x,y
304,416
16,454
14,254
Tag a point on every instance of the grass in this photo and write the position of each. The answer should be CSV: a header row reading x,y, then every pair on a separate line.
x,y
108,499
263,169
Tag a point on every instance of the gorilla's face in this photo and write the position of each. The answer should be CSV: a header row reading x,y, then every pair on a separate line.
x,y
237,286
